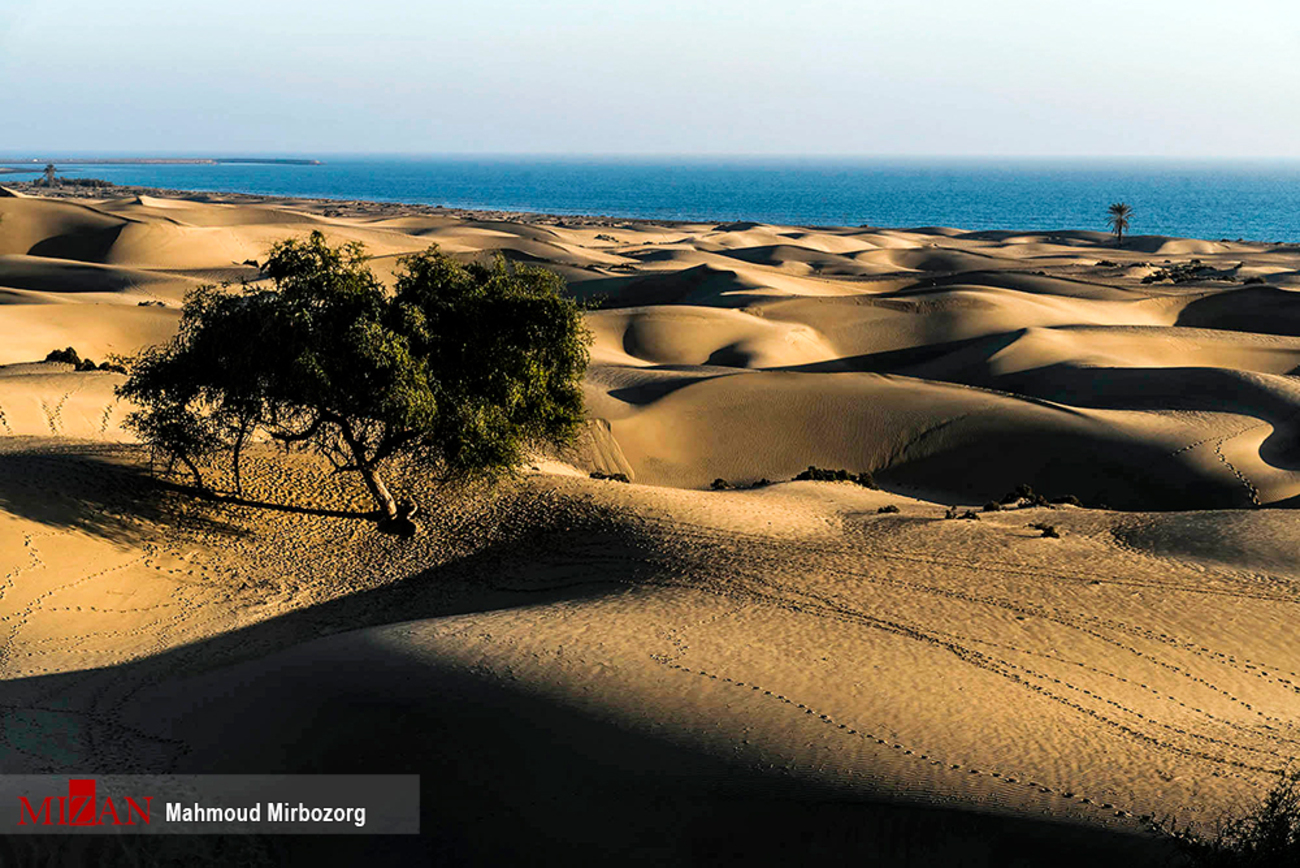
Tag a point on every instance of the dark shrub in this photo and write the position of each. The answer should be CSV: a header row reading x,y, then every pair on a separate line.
x,y
615,477
992,506
1017,494
1049,530
1020,492
720,485
1069,499
67,356
1267,835
818,474
887,508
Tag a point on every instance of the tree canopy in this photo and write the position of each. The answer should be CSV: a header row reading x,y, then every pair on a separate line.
x,y
463,367
1118,216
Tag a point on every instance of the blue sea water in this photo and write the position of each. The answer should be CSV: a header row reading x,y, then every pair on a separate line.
x,y
1224,199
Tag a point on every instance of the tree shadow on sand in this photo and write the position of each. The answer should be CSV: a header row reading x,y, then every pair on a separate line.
x,y
104,490
112,491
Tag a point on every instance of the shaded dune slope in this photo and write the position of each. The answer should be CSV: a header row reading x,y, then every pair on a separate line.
x,y
1021,357
655,674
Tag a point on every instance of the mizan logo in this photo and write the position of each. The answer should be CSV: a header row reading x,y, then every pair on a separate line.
x,y
80,808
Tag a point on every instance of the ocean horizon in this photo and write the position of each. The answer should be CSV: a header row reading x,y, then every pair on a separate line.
x,y
1256,200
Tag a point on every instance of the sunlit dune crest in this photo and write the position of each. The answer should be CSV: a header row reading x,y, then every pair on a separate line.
x,y
667,651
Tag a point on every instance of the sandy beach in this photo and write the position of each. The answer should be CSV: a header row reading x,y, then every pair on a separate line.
x,y
657,672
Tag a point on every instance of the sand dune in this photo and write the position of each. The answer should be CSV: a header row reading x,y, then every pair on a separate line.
x,y
685,335
658,673
51,275
960,315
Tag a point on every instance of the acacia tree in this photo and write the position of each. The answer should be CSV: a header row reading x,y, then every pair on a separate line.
x,y
1118,217
462,367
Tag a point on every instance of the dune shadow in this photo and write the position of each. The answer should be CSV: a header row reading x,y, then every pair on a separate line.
x,y
86,246
906,361
1214,390
649,392
510,777
1262,310
565,556
510,774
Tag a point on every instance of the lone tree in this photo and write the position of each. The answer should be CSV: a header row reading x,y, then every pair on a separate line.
x,y
1119,215
462,367
49,171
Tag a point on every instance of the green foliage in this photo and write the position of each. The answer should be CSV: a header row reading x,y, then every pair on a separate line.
x,y
1118,216
463,367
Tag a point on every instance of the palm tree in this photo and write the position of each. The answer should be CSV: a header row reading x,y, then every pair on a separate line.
x,y
49,174
1118,220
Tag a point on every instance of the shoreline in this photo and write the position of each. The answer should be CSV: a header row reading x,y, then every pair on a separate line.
x,y
1061,447
349,208
352,207
169,161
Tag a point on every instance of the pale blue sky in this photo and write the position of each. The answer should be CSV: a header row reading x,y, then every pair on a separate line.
x,y
877,77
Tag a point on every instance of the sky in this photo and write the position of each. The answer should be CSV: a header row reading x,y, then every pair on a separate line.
x,y
1165,78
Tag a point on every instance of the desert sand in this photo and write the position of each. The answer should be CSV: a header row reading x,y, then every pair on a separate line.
x,y
660,673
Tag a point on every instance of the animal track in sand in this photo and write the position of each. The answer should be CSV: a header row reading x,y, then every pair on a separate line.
x,y
854,731
54,416
18,619
105,727
1250,486
1217,438
35,562
1111,675
1061,616
108,414
1143,727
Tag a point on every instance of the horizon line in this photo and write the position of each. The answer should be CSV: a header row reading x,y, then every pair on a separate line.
x,y
10,156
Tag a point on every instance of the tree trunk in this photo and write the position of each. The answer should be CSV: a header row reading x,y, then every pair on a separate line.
x,y
194,471
378,490
235,455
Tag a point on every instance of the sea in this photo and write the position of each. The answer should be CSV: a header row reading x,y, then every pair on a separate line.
x,y
1252,200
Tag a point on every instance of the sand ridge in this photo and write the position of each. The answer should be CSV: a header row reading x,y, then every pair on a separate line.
x,y
658,651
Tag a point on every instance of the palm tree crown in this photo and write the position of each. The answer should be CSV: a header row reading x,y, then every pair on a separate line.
x,y
1120,214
